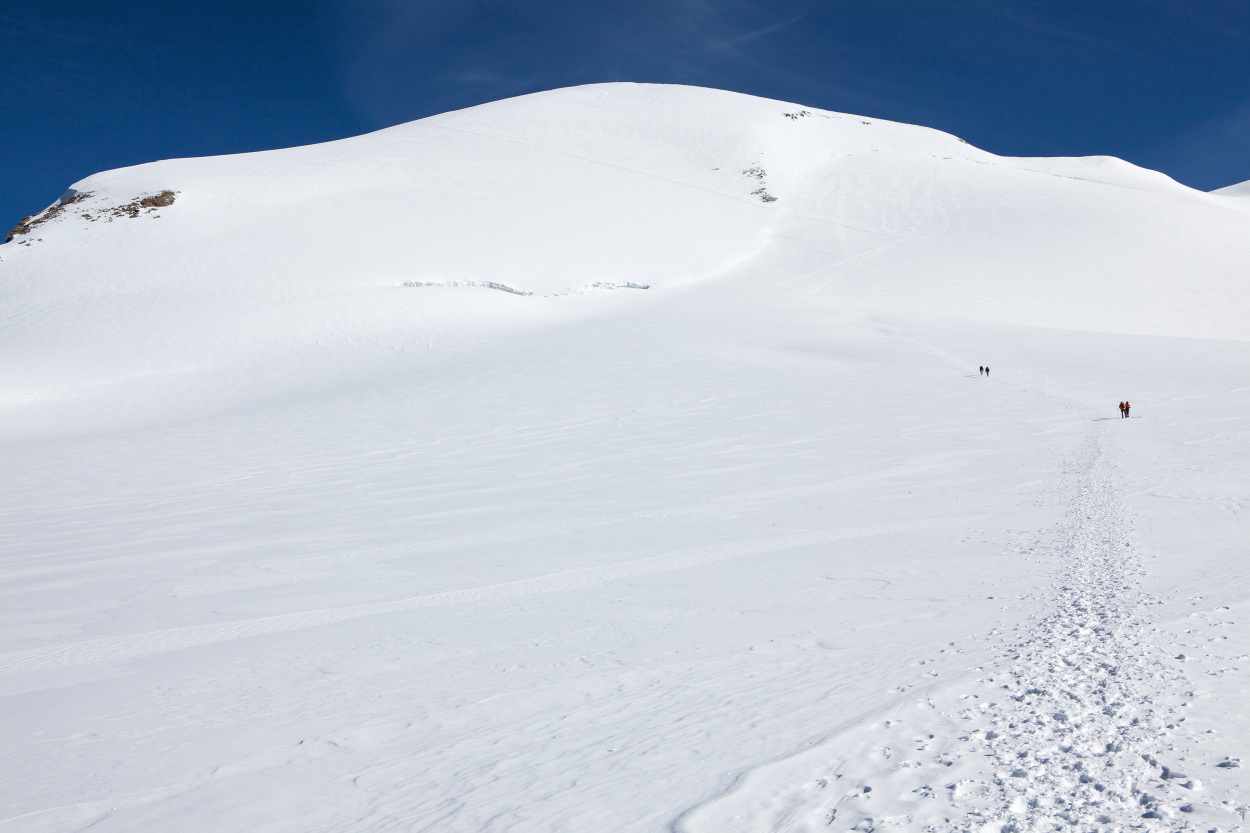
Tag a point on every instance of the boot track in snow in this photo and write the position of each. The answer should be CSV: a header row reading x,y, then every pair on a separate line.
x,y
1075,725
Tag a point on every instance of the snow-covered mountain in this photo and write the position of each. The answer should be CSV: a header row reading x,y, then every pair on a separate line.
x,y
1241,189
593,187
617,458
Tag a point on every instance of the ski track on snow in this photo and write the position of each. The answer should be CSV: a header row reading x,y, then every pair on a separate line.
x,y
131,646
1077,724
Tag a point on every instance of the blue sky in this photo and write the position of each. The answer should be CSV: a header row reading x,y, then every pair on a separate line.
x,y
89,86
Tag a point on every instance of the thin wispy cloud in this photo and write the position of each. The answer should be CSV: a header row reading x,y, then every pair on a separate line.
x,y
734,45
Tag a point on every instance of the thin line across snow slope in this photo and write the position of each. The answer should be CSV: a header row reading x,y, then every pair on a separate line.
x,y
1075,725
130,646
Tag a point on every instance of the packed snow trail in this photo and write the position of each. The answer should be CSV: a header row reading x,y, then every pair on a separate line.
x,y
1076,725
1072,717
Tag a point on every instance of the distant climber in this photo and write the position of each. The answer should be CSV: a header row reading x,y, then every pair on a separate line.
x,y
981,370
1126,407
1121,410
987,370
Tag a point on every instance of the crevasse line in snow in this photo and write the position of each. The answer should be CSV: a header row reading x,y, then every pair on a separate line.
x,y
502,287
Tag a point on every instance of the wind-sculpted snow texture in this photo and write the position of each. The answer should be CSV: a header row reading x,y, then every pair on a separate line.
x,y
616,459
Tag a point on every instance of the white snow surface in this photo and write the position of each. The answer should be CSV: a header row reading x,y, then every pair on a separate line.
x,y
1241,189
616,459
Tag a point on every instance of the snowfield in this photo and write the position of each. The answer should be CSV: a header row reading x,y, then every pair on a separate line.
x,y
1241,189
616,459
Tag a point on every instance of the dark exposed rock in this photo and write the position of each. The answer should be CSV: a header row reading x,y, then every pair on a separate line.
x,y
161,200
134,207
53,211
22,228
130,209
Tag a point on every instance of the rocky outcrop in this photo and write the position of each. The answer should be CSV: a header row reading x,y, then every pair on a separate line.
x,y
131,209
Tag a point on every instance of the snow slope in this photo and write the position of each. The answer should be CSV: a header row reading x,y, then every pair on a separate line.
x,y
1241,189
615,458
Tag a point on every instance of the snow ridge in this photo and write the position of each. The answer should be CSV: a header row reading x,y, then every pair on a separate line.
x,y
1240,189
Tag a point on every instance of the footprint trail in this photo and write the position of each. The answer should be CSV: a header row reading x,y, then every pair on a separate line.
x,y
1077,724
